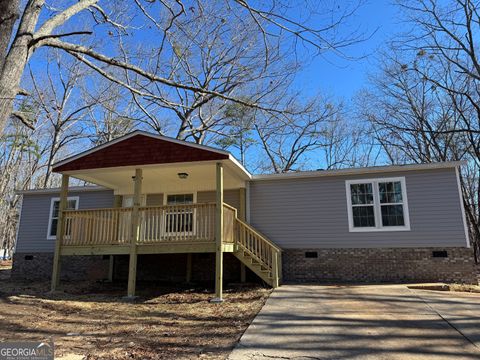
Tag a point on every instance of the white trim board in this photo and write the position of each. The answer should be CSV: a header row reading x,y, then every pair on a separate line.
x,y
57,190
377,205
462,208
358,171
19,222
186,192
52,201
164,222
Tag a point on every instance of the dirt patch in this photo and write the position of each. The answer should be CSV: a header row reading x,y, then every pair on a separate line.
x,y
93,320
448,287
5,269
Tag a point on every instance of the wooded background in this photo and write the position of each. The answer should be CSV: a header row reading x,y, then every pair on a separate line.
x,y
75,74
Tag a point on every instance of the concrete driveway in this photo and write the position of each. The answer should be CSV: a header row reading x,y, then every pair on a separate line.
x,y
363,322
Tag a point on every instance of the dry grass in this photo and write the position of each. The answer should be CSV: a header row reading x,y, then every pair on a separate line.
x,y
94,321
5,266
447,287
464,288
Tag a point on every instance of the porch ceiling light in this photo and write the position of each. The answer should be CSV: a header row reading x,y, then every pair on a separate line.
x,y
182,175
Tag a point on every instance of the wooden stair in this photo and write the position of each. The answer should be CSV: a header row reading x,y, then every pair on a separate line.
x,y
257,252
261,270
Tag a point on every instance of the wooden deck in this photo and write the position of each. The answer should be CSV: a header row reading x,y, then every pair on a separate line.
x,y
168,229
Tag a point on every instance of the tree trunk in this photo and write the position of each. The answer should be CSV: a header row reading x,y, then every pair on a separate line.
x,y
16,58
9,13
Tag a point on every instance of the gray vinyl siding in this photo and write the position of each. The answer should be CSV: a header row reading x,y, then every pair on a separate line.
x,y
154,199
33,227
151,199
312,212
231,197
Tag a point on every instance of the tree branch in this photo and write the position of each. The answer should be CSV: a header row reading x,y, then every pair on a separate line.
x,y
24,119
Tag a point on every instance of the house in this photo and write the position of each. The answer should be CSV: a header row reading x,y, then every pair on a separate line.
x,y
168,209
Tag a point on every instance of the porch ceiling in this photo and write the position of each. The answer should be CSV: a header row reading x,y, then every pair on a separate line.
x,y
163,178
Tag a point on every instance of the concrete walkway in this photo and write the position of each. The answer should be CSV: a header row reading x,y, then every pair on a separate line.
x,y
363,322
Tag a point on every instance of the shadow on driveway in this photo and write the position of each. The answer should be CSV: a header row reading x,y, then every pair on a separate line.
x,y
363,322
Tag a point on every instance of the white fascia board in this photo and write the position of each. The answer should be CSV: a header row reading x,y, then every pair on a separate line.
x,y
359,171
57,190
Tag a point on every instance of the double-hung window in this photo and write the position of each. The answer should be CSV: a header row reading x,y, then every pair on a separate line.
x,y
72,204
377,205
181,219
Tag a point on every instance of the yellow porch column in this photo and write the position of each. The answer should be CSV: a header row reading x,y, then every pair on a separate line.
x,y
132,268
219,234
242,215
60,230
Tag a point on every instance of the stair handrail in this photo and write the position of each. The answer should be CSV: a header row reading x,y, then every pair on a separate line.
x,y
263,237
270,257
272,261
252,229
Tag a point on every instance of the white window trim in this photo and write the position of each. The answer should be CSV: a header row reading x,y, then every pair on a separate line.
x,y
194,227
52,201
165,195
377,205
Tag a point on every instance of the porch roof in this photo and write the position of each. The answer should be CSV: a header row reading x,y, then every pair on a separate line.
x,y
161,158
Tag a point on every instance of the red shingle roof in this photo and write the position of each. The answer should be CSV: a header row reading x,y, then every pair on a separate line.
x,y
139,149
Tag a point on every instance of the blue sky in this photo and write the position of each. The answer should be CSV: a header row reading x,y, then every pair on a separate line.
x,y
343,77
330,74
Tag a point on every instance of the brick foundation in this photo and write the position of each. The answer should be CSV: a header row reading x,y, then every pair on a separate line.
x,y
380,265
173,267
331,265
38,266
159,267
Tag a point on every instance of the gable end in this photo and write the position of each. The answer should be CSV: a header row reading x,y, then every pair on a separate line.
x,y
139,150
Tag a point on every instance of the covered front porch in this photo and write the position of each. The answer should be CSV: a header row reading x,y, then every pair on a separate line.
x,y
169,198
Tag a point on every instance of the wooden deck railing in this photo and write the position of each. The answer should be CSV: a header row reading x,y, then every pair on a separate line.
x,y
229,216
97,227
179,223
194,222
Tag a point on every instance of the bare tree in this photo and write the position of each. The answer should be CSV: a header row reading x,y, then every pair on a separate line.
x,y
226,57
415,120
239,134
445,35
79,30
64,108
288,140
19,163
114,115
346,143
